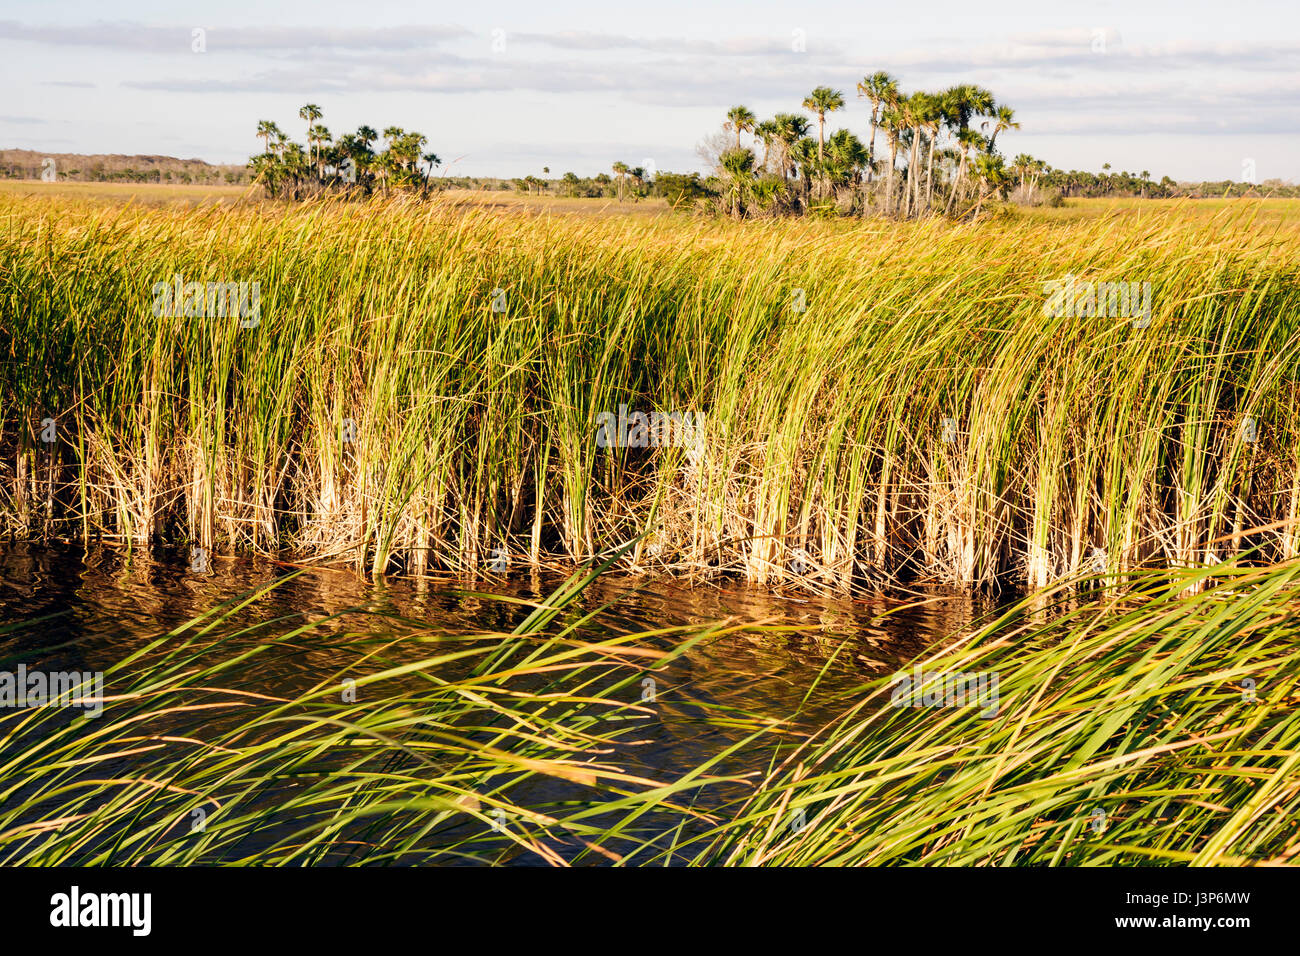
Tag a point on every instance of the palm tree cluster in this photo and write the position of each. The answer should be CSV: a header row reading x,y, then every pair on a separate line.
x,y
939,158
1081,183
352,163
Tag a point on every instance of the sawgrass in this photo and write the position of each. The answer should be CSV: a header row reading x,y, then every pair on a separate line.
x,y
1154,724
384,414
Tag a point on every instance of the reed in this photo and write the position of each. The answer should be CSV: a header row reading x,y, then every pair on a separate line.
x,y
1154,727
880,400
1155,724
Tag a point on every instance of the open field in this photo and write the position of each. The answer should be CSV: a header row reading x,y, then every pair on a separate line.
x,y
125,192
487,199
423,384
1264,212
559,205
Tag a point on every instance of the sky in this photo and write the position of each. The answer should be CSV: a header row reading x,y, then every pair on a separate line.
x,y
1192,89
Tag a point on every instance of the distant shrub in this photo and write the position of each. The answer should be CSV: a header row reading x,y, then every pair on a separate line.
x,y
681,188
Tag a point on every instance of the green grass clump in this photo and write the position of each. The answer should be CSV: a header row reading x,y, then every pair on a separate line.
x,y
1156,727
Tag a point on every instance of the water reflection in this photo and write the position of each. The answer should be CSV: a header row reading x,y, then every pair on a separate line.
x,y
102,602
88,609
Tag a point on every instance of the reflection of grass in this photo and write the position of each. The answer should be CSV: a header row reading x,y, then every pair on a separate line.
x,y
1127,732
1157,727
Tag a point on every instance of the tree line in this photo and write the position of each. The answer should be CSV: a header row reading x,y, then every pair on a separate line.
x,y
353,162
925,153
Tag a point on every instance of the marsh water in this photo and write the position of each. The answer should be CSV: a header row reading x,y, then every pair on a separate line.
x,y
65,608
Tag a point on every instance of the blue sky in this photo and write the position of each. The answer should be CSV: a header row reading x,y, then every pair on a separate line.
x,y
1188,88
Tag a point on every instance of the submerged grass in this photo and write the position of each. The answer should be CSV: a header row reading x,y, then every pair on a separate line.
x,y
424,384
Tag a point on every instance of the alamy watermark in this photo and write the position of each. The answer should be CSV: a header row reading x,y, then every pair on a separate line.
x,y
1071,298
209,300
128,910
35,688
649,429
946,689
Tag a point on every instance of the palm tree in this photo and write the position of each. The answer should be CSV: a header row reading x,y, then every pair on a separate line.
x,y
1036,170
294,163
311,113
406,149
992,176
966,101
891,121
620,169
739,166
317,136
265,130
1021,167
882,90
739,119
821,101
932,117
845,158
967,139
267,171
385,167
1004,117
766,132
916,110
790,129
804,155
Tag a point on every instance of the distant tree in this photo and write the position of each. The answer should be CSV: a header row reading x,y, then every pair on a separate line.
x,y
620,169
739,167
311,113
880,89
821,101
1004,117
739,119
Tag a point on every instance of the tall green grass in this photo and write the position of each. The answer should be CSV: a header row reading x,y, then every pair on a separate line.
x,y
1160,726
824,459
1156,727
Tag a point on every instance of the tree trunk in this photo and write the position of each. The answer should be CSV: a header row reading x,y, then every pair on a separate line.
x,y
929,173
871,147
961,170
913,185
893,160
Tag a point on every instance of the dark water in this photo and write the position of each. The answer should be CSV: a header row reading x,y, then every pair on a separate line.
x,y
86,610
